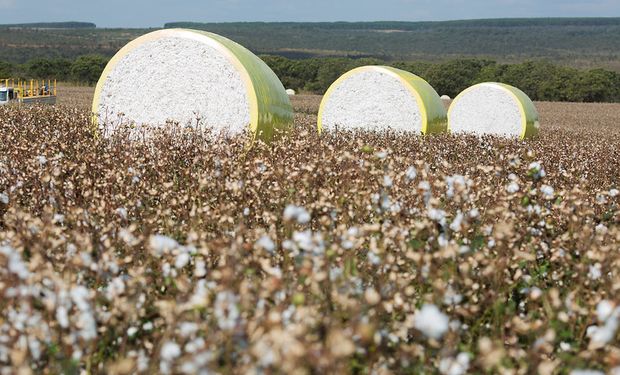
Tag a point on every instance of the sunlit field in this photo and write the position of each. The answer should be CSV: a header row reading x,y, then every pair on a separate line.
x,y
341,253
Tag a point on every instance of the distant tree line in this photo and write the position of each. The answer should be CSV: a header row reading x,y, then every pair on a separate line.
x,y
539,79
83,70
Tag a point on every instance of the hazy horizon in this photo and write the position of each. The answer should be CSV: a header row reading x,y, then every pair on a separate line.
x,y
155,13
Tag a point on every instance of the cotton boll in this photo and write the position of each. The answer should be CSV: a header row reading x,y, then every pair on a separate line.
x,y
169,351
604,309
431,321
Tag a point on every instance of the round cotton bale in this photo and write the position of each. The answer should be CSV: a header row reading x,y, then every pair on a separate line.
x,y
382,98
496,109
193,78
290,92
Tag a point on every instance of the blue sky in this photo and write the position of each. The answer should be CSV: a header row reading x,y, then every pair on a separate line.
x,y
143,13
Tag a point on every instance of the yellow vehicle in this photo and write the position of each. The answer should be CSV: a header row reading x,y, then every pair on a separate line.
x,y
32,91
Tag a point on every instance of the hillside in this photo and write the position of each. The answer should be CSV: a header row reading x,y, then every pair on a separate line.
x,y
50,25
579,42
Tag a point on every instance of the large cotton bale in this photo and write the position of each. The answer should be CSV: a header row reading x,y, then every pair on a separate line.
x,y
192,78
290,92
380,98
493,108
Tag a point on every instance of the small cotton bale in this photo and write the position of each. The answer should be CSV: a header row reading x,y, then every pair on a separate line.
x,y
446,97
193,78
495,109
382,98
290,92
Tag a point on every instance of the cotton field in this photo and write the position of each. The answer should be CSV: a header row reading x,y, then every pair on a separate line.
x,y
344,252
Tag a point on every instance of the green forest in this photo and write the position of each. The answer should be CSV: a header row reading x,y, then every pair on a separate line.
x,y
576,42
539,79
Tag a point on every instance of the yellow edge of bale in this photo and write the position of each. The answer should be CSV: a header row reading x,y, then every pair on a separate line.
x,y
530,124
270,106
433,112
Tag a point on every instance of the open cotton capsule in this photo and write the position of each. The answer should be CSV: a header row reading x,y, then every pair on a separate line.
x,y
493,108
381,98
193,78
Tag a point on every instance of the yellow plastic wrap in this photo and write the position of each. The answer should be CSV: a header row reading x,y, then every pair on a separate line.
x,y
270,107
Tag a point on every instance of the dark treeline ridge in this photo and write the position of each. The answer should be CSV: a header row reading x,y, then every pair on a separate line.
x,y
83,70
541,80
405,25
50,25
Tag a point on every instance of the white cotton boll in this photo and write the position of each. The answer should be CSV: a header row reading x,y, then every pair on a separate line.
x,y
601,229
436,215
455,366
62,316
201,268
604,309
79,296
382,155
547,191
186,329
474,213
536,170
161,244
411,174
304,240
42,160
16,265
169,351
226,311
614,193
595,271
431,321
299,214
451,297
132,331
512,187
4,198
266,243
116,287
602,335
181,260
424,185
457,222
387,181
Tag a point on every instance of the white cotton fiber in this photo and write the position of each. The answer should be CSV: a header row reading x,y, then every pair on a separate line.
x,y
372,100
